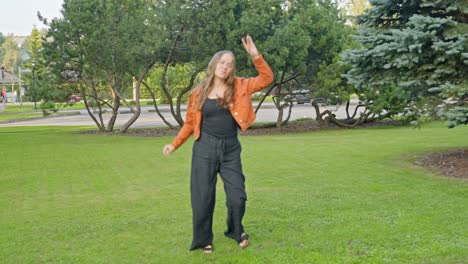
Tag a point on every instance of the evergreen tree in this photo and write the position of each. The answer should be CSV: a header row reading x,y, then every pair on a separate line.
x,y
414,59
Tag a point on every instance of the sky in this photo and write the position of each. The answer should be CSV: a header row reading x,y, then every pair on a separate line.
x,y
18,17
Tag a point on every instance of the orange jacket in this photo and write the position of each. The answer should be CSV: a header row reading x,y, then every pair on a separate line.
x,y
241,107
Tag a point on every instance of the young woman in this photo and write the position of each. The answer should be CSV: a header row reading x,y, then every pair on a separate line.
x,y
216,109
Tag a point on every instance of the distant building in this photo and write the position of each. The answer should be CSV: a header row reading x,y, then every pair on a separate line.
x,y
8,78
11,83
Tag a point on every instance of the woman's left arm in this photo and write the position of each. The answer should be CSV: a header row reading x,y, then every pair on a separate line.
x,y
265,76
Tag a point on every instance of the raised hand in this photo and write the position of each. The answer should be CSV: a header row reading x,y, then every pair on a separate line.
x,y
250,47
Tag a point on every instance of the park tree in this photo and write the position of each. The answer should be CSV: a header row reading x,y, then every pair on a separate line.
x,y
333,89
99,44
307,34
288,49
102,47
99,47
314,27
11,54
40,78
179,78
177,19
194,31
413,60
35,64
43,87
2,40
265,22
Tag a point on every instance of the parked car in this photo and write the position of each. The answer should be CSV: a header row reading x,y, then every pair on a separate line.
x,y
74,98
301,96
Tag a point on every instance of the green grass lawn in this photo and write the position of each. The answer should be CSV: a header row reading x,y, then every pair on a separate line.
x,y
28,107
343,196
15,111
12,117
18,116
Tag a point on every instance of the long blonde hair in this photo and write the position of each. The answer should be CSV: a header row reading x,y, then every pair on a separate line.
x,y
207,84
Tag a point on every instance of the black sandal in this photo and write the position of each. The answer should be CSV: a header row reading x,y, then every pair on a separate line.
x,y
208,249
244,239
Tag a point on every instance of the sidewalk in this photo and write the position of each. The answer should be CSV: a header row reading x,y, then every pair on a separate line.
x,y
148,117
165,108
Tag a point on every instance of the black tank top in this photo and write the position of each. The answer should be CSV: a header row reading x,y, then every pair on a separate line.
x,y
217,121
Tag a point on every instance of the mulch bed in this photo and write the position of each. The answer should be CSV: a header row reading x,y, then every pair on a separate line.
x,y
453,163
260,129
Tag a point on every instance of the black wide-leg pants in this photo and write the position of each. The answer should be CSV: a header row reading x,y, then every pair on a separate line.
x,y
212,155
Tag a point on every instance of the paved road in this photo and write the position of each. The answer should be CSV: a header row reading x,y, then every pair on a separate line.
x,y
148,118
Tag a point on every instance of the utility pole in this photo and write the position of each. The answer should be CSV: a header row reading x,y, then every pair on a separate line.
x,y
21,89
33,86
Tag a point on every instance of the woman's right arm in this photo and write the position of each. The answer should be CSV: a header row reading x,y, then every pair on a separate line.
x,y
265,76
185,131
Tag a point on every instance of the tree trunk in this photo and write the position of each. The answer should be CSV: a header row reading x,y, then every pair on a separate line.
x,y
156,108
136,85
99,125
115,109
101,120
136,114
279,120
347,109
356,109
271,88
184,91
178,118
289,114
318,114
342,124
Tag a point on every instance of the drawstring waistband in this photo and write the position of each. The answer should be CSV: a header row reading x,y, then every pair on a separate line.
x,y
219,142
